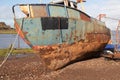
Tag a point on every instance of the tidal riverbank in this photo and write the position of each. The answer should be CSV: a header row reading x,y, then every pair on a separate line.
x,y
31,68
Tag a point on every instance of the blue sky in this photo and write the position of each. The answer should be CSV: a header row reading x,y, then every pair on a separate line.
x,y
92,7
12,2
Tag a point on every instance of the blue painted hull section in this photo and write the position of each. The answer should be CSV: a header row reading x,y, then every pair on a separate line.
x,y
77,29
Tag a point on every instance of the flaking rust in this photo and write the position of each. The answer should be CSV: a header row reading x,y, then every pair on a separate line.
x,y
60,33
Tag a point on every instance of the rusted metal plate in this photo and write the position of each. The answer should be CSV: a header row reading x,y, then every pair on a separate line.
x,y
73,13
89,27
38,33
80,31
68,53
34,10
69,34
19,28
97,37
57,11
38,11
84,17
38,36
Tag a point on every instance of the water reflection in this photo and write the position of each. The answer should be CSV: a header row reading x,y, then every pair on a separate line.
x,y
7,39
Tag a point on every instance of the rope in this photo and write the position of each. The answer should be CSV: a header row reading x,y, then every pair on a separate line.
x,y
11,48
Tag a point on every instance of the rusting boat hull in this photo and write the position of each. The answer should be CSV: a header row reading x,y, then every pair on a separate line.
x,y
63,34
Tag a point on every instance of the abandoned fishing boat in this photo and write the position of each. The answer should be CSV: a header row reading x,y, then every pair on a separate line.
x,y
60,33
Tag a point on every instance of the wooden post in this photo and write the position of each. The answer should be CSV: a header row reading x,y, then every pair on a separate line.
x,y
18,42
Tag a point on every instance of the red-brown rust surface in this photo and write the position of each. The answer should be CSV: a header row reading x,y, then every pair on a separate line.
x,y
20,32
55,58
97,37
84,17
18,29
30,68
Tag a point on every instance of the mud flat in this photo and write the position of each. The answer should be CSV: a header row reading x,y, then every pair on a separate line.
x,y
29,67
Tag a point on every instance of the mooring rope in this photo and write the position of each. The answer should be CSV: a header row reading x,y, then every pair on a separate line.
x,y
11,47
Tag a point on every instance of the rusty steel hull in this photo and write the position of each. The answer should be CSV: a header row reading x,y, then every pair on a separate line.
x,y
59,40
62,55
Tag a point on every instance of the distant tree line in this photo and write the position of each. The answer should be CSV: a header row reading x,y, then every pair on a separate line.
x,y
3,26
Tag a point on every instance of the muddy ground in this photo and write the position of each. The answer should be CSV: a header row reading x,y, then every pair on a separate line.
x,y
29,67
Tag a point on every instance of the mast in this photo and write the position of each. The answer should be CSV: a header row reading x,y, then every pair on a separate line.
x,y
66,2
81,2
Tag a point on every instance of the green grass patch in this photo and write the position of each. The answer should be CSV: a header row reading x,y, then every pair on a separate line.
x,y
3,52
8,32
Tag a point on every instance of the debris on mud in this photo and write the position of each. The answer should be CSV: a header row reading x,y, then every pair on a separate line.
x,y
30,68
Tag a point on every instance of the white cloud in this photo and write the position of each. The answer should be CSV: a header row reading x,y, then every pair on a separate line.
x,y
6,15
6,12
